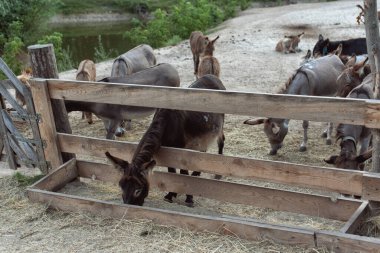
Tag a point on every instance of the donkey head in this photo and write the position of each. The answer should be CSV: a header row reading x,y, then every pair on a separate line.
x,y
275,130
349,160
352,76
320,48
134,183
209,49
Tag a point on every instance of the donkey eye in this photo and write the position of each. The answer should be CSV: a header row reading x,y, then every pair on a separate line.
x,y
137,192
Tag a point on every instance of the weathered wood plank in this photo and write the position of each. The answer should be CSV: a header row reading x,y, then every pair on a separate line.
x,y
344,181
16,83
339,110
12,101
356,219
281,200
44,65
7,84
11,159
346,243
47,125
244,230
58,178
308,204
371,186
26,147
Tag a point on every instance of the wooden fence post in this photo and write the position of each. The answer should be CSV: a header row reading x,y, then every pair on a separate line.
x,y
373,47
44,66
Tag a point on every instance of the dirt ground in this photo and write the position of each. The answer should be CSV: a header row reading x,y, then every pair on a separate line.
x,y
249,63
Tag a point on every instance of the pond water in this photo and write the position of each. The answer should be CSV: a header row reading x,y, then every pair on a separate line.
x,y
82,39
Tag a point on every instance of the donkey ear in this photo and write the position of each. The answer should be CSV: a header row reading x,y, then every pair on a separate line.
x,y
351,61
117,162
339,49
360,65
147,168
213,41
300,35
255,121
320,37
331,159
308,55
364,157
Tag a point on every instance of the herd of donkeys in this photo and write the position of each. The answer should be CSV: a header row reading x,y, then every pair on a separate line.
x,y
333,68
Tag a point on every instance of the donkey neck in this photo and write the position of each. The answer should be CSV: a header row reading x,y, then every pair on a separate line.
x,y
151,141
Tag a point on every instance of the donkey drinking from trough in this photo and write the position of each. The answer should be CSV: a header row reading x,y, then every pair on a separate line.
x,y
198,43
289,44
136,59
171,128
112,114
352,135
352,46
209,64
86,72
314,78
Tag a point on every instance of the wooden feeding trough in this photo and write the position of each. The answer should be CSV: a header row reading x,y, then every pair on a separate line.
x,y
350,211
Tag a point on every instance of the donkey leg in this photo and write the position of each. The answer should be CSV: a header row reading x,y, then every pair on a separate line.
x,y
169,197
220,152
328,133
189,198
305,125
111,129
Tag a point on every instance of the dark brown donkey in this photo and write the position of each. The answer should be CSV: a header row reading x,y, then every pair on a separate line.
x,y
112,114
352,135
136,59
314,78
171,128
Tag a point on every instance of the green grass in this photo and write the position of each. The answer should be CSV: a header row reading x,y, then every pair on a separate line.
x,y
24,181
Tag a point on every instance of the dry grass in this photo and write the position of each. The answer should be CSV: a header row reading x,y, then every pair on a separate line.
x,y
28,227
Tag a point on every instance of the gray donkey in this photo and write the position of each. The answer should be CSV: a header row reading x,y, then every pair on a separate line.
x,y
315,78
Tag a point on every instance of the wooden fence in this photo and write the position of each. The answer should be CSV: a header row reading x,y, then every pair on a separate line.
x,y
353,111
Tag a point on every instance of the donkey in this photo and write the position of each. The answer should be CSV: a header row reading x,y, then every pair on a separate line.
x,y
314,78
352,135
352,76
136,59
86,72
171,128
352,46
112,114
289,44
198,43
209,64
26,74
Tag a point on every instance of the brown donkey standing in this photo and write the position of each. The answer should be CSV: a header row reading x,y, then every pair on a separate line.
x,y
86,72
209,64
198,43
170,128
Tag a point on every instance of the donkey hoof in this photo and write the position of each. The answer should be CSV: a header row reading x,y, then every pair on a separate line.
x,y
328,142
218,177
303,148
189,204
324,135
273,152
168,198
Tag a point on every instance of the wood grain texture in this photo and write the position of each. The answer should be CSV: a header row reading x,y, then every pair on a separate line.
x,y
322,109
346,243
242,229
308,204
344,181
58,178
47,125
356,219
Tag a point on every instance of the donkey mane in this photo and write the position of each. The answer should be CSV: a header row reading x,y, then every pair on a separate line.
x,y
284,88
151,141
